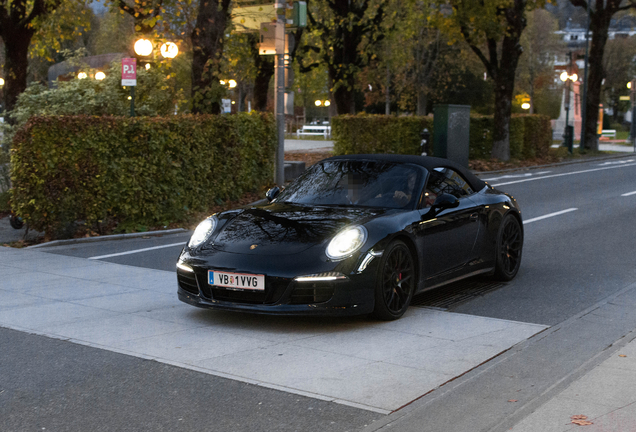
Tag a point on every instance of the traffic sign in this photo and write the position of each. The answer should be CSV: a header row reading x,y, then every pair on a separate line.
x,y
129,71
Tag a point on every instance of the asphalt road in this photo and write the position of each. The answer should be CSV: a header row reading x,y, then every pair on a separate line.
x,y
578,253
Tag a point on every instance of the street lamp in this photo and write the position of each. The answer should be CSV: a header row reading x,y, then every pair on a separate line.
x,y
169,50
143,47
1,82
568,135
82,75
100,76
632,97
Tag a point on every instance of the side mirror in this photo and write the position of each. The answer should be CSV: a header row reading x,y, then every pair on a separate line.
x,y
445,201
272,193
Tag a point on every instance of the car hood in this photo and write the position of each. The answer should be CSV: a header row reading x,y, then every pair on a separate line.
x,y
286,229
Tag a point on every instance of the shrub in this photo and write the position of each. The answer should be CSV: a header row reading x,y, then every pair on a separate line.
x,y
481,129
155,94
530,135
136,171
537,137
355,134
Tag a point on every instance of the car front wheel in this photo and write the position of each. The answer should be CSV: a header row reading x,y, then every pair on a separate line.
x,y
396,282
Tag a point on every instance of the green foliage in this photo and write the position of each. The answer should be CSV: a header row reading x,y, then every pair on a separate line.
x,y
530,135
481,131
135,171
154,95
68,24
537,136
355,134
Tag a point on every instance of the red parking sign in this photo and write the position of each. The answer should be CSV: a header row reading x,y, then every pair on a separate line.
x,y
129,72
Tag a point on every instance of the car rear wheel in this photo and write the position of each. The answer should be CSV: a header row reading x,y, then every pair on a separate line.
x,y
509,248
396,282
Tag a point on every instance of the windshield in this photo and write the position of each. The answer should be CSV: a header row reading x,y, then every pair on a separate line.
x,y
357,183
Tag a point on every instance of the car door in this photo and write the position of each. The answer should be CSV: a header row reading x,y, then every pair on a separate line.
x,y
447,237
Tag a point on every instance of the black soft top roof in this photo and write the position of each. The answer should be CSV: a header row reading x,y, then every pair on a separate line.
x,y
427,162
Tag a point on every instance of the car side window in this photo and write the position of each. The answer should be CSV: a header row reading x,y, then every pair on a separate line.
x,y
445,180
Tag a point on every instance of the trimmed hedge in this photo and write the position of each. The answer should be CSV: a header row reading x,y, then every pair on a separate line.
x,y
364,134
537,137
530,135
137,171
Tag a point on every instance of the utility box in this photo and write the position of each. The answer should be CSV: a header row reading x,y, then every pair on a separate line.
x,y
451,132
300,14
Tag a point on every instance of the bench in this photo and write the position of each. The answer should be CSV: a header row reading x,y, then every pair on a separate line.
x,y
608,133
314,130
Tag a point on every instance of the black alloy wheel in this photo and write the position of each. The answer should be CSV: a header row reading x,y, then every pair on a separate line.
x,y
396,282
509,248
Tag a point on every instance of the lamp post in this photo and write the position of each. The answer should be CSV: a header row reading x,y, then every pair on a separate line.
x,y
632,98
144,48
324,103
569,131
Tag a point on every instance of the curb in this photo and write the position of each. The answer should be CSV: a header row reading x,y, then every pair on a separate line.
x,y
107,237
573,162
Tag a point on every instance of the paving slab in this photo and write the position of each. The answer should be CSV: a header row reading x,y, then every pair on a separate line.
x,y
606,395
378,366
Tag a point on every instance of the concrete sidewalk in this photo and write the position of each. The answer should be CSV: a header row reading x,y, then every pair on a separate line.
x,y
604,399
367,364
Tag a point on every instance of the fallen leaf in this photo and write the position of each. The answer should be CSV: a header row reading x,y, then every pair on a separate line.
x,y
513,400
582,422
622,355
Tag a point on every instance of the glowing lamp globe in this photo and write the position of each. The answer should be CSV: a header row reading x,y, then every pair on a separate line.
x,y
100,75
143,47
169,50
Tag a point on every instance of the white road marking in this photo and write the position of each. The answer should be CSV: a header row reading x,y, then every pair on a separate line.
x,y
136,251
549,215
616,162
516,175
629,193
564,174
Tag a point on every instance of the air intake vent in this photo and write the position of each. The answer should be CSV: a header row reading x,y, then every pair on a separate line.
x,y
309,293
187,282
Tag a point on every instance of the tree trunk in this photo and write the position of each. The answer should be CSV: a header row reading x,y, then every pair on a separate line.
x,y
344,98
387,93
599,25
16,49
208,37
422,101
504,89
265,72
265,68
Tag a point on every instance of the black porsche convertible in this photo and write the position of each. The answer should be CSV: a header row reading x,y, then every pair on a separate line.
x,y
353,235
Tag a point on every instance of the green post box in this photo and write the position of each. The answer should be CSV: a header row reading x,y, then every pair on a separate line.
x,y
451,132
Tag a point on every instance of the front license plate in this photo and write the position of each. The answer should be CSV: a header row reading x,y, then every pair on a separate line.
x,y
241,281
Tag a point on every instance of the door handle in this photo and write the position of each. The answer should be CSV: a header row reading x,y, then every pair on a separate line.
x,y
474,217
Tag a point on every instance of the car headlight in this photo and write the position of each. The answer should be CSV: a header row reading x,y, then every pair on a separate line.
x,y
347,242
202,232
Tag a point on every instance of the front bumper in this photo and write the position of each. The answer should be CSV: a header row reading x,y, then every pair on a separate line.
x,y
283,295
